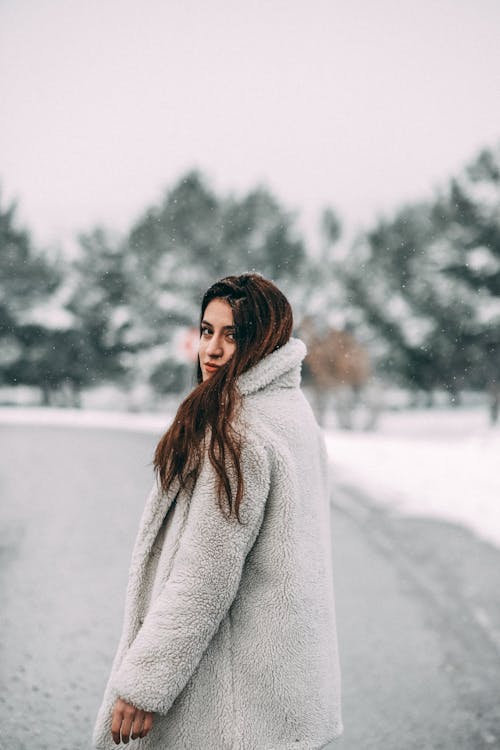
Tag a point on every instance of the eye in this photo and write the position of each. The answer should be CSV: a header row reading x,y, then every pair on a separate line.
x,y
203,329
232,336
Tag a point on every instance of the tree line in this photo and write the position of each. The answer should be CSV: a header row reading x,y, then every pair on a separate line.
x,y
419,291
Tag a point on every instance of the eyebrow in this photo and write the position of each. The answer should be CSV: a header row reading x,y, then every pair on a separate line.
x,y
224,328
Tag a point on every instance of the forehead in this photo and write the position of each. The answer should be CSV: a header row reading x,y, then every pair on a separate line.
x,y
218,312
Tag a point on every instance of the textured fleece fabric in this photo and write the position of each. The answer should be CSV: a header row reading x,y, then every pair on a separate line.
x,y
238,650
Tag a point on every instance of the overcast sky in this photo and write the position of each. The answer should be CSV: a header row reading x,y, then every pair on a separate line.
x,y
356,104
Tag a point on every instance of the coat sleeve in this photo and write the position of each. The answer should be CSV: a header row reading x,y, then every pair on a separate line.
x,y
200,589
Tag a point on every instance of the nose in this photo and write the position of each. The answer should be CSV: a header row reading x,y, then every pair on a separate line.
x,y
214,347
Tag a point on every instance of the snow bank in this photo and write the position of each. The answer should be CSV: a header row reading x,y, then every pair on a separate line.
x,y
114,420
441,463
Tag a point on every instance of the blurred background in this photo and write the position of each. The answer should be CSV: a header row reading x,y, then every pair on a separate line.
x,y
350,152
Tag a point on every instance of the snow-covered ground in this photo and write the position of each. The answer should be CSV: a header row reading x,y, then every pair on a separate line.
x,y
115,420
441,462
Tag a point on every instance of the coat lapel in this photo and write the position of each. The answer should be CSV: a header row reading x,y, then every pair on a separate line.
x,y
156,506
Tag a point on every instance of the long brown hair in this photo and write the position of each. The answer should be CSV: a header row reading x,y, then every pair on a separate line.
x,y
263,320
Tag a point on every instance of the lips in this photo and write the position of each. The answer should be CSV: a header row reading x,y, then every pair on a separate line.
x,y
211,366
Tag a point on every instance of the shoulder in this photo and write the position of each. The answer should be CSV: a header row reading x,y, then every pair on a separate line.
x,y
258,449
271,416
258,437
265,446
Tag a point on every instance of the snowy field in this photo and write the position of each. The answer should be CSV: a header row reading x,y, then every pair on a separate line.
x,y
443,463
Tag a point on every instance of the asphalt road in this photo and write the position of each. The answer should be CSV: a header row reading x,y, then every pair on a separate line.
x,y
418,605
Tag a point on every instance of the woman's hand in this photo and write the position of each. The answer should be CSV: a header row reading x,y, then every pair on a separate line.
x,y
133,722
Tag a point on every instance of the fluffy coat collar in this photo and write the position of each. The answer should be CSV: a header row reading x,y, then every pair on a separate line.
x,y
280,369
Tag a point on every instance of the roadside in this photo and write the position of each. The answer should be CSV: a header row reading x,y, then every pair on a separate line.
x,y
419,630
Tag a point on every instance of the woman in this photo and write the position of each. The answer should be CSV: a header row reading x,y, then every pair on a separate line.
x,y
229,639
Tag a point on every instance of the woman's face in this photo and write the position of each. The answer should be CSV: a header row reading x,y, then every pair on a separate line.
x,y
217,340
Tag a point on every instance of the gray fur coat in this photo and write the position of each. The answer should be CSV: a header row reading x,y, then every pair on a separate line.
x,y
237,650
